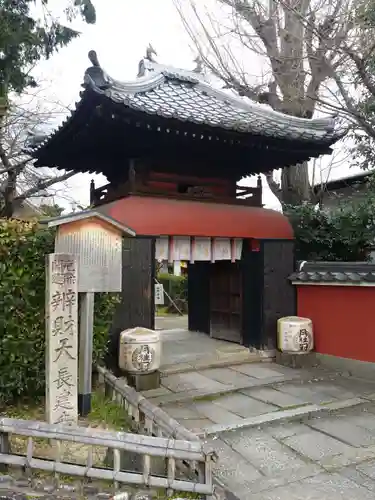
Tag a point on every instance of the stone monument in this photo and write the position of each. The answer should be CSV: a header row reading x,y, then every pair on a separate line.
x,y
61,339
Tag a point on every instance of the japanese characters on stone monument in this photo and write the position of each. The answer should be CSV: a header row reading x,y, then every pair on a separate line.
x,y
61,338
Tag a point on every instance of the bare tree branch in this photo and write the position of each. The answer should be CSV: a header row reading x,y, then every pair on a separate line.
x,y
43,185
360,64
300,42
19,179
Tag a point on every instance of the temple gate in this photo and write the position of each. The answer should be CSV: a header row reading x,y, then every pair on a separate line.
x,y
173,150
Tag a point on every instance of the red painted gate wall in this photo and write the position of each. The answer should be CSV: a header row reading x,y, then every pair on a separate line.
x,y
343,319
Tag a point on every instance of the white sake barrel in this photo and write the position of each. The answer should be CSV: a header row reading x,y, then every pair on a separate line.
x,y
140,350
295,335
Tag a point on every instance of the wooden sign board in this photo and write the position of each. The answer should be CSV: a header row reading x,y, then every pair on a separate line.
x,y
97,243
159,294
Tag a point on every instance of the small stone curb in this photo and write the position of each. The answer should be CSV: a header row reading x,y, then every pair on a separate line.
x,y
278,416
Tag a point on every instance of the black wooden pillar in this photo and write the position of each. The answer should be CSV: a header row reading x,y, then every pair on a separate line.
x,y
267,293
137,306
252,284
199,296
279,297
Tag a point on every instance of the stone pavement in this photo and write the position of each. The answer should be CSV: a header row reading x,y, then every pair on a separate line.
x,y
186,351
171,322
280,433
319,458
216,399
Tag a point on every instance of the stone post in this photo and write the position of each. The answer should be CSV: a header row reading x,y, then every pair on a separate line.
x,y
61,339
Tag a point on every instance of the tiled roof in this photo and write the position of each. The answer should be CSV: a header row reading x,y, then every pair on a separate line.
x,y
343,182
334,272
185,96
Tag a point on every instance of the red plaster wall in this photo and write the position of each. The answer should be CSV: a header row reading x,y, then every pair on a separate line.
x,y
343,319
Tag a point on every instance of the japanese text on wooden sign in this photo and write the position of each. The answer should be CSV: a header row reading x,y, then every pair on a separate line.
x,y
61,339
99,251
159,294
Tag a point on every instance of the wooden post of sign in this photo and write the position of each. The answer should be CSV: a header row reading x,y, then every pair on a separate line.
x,y
61,339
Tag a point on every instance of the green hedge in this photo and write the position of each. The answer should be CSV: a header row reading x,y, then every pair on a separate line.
x,y
175,286
346,233
23,247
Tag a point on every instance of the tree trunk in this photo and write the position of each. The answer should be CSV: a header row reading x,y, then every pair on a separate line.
x,y
9,194
295,185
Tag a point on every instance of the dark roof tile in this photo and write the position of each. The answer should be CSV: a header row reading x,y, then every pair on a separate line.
x,y
192,100
185,96
334,272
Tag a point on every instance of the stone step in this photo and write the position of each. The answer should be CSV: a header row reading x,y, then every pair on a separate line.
x,y
217,360
282,416
212,382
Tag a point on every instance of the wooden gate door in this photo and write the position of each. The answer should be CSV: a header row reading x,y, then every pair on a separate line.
x,y
225,301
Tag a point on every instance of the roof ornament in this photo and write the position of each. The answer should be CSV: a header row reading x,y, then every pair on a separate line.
x,y
94,58
145,64
95,75
199,65
150,52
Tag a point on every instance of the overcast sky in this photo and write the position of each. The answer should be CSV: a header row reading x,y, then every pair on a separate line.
x,y
123,30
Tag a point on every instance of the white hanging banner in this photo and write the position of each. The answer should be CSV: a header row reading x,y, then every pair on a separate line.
x,y
221,249
201,249
177,268
238,248
162,248
181,248
185,248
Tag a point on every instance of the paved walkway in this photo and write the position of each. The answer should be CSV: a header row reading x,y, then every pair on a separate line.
x,y
183,350
329,458
280,433
171,322
212,400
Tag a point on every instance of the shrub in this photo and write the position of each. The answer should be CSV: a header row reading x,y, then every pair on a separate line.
x,y
176,288
23,246
347,233
105,305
